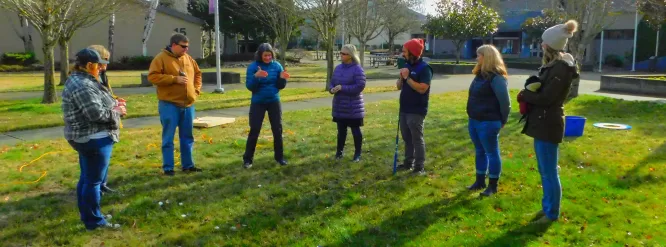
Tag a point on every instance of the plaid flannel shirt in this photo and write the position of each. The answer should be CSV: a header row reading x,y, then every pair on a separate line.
x,y
87,108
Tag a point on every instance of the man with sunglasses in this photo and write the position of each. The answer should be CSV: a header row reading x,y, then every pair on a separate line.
x,y
178,80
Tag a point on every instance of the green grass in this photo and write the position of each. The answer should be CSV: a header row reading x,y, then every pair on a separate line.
x,y
34,81
612,185
656,78
32,114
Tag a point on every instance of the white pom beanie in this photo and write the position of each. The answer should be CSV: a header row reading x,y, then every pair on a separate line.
x,y
556,37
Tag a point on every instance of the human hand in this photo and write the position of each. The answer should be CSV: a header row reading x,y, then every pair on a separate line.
x,y
404,73
182,80
336,89
284,74
121,110
260,73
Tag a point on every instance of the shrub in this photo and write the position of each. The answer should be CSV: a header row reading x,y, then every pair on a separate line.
x,y
15,68
614,60
18,58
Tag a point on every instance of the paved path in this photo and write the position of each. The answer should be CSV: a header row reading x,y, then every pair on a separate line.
x,y
440,84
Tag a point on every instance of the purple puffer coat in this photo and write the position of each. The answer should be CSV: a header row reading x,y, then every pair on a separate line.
x,y
348,102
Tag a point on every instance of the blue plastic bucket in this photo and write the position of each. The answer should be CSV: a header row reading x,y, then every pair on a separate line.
x,y
574,125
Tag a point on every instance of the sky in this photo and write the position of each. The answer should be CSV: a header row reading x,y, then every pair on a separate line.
x,y
429,7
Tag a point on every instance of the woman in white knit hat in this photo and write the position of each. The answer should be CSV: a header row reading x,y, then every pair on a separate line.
x,y
545,119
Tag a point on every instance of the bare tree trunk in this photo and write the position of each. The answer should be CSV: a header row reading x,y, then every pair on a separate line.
x,y
247,43
362,54
50,95
211,40
329,60
458,47
391,40
112,30
26,37
284,41
64,60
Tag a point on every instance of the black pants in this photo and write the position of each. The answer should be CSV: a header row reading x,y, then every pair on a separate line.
x,y
342,138
257,112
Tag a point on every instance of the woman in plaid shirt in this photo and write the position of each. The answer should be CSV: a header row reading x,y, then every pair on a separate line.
x,y
91,117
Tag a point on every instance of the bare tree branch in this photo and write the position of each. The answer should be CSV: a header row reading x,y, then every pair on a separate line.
x,y
281,16
322,16
363,20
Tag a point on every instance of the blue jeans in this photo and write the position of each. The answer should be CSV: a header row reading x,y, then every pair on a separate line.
x,y
172,116
485,136
94,157
547,155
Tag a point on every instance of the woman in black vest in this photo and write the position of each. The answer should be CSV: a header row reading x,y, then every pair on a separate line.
x,y
488,108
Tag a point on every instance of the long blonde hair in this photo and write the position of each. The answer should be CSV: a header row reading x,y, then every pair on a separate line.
x,y
492,62
103,52
550,54
352,52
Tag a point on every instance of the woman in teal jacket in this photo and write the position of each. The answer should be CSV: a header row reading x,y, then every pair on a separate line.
x,y
265,78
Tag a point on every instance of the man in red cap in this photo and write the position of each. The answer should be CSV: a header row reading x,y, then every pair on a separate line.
x,y
414,86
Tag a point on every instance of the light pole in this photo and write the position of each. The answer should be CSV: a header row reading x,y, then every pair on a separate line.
x,y
219,88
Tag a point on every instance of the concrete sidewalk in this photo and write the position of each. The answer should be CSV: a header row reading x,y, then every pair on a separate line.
x,y
440,84
124,91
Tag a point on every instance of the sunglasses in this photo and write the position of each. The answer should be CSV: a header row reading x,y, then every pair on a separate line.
x,y
184,46
342,53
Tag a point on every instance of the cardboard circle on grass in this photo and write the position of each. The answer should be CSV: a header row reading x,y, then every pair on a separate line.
x,y
613,126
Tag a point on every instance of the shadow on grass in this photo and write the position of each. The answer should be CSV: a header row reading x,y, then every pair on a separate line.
x,y
637,176
408,225
520,236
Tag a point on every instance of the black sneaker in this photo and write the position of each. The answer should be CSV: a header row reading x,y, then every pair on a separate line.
x,y
419,172
247,165
192,169
282,162
169,173
357,158
338,156
404,167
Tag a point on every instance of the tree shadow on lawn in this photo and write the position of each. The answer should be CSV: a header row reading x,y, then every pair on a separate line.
x,y
402,229
520,236
645,117
635,177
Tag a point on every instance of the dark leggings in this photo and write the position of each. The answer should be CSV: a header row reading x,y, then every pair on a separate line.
x,y
342,137
257,113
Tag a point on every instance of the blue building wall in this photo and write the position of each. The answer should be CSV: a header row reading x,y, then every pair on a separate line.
x,y
512,23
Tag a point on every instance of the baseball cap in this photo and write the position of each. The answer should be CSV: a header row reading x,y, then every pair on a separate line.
x,y
88,55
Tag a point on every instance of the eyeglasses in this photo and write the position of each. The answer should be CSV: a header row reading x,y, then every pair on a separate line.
x,y
184,46
342,53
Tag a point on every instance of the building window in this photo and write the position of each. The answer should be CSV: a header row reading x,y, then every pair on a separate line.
x,y
624,34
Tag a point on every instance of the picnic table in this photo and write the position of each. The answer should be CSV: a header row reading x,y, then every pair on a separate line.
x,y
382,58
322,55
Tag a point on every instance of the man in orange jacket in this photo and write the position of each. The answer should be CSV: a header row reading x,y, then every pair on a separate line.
x,y
178,80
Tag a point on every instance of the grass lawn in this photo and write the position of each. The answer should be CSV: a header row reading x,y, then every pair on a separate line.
x,y
656,78
613,187
34,81
32,114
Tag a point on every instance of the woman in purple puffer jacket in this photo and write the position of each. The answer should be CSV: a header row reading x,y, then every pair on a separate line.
x,y
347,84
